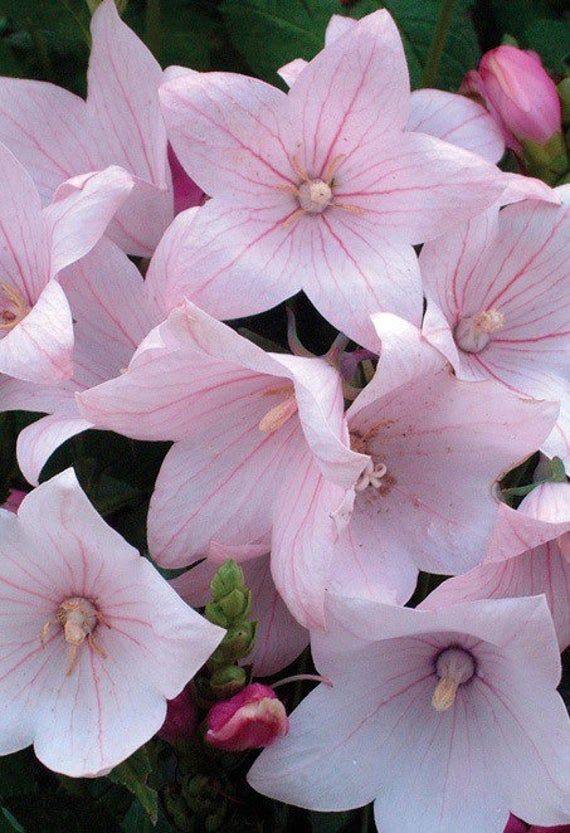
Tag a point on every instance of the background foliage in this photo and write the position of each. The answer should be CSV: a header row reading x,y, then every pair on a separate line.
x,y
49,40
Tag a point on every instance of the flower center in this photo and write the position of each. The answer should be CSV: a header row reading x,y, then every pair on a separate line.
x,y
473,334
454,667
13,307
374,474
277,416
79,619
314,196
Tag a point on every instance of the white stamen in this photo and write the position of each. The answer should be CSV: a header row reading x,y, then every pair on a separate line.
x,y
473,333
454,667
314,196
276,417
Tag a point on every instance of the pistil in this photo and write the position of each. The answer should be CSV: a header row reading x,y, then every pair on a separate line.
x,y
79,618
473,334
454,667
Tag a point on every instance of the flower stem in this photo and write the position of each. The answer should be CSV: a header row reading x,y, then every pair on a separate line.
x,y
153,27
433,60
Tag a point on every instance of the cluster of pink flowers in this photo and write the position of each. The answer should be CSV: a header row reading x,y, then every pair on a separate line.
x,y
445,715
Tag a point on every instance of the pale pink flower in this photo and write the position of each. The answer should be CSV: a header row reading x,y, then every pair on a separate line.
x,y
519,93
36,328
93,641
111,316
321,189
279,638
426,713
56,134
543,516
244,422
427,499
453,118
251,719
498,292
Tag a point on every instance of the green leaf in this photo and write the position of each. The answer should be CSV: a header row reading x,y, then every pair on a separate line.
x,y
551,39
134,774
8,824
269,33
515,16
67,20
328,822
137,821
417,22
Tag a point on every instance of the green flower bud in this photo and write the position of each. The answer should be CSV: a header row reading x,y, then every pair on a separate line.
x,y
227,681
229,577
236,644
548,161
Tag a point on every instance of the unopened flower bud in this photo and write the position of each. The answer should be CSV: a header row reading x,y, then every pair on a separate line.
x,y
181,717
515,825
236,644
233,607
519,93
252,719
15,497
227,681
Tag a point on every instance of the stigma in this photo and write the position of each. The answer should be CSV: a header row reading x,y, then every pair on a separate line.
x,y
473,334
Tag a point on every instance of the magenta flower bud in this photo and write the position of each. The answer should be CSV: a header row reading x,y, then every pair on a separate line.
x,y
250,720
186,193
15,498
181,717
515,825
519,93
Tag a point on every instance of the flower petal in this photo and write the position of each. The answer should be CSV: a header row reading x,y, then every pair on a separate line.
x,y
123,100
81,210
39,348
49,131
457,120
415,187
38,441
229,261
334,101
227,131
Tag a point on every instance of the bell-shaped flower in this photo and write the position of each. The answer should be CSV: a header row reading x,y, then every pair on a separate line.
x,y
320,189
525,570
36,328
498,292
57,135
279,638
111,315
93,640
448,116
426,500
426,713
243,421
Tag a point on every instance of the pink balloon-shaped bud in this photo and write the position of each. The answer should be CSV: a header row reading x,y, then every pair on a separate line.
x,y
519,93
252,719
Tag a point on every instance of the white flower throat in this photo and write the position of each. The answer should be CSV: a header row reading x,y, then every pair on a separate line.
x,y
79,619
473,334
